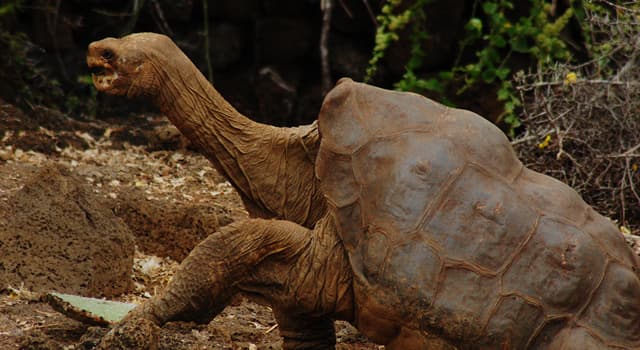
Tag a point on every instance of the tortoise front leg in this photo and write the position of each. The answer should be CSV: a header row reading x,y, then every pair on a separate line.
x,y
276,261
305,332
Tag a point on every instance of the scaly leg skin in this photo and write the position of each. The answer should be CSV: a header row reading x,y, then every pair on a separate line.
x,y
303,274
306,333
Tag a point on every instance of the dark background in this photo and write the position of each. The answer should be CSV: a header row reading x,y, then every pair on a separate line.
x,y
264,54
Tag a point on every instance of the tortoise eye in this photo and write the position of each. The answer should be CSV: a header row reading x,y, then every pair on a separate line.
x,y
107,54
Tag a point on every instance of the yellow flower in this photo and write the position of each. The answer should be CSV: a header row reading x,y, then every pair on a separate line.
x,y
625,230
507,25
545,143
570,78
634,167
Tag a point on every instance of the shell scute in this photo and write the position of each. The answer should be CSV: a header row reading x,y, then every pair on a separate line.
x,y
559,266
609,237
407,273
391,112
336,177
513,316
576,338
481,220
552,196
342,125
373,255
462,305
413,269
614,311
401,176
348,219
490,147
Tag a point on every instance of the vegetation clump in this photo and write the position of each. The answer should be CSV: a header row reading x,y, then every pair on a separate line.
x,y
494,32
582,121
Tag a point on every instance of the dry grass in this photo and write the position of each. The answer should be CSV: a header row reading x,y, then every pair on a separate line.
x,y
583,122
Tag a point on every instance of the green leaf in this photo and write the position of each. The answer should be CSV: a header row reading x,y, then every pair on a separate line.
x,y
490,8
7,9
85,79
445,75
430,85
91,310
474,26
519,44
489,75
502,73
498,41
512,120
504,94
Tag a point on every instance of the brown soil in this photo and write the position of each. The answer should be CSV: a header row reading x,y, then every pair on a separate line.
x,y
56,235
169,196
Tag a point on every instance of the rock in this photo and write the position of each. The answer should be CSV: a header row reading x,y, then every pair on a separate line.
x,y
291,8
281,40
56,236
236,10
167,137
227,44
167,229
352,17
6,154
52,30
308,105
176,10
347,59
276,96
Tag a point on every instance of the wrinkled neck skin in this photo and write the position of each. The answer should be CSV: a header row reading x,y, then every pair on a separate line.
x,y
272,168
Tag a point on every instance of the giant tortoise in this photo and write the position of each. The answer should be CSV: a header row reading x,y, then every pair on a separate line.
x,y
435,232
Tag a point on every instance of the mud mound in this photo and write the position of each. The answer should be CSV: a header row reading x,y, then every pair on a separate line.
x,y
168,229
56,235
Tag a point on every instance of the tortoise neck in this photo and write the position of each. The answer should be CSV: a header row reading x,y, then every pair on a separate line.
x,y
267,165
212,125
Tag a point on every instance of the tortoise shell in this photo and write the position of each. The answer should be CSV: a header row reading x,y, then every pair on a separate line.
x,y
448,233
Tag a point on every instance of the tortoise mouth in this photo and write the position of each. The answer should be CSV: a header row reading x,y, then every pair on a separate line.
x,y
103,76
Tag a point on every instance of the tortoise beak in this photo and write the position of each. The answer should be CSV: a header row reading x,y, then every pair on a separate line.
x,y
99,58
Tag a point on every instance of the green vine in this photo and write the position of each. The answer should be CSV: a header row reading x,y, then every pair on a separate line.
x,y
387,32
494,35
10,7
410,80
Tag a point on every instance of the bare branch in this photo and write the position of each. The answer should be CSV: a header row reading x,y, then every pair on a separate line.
x,y
327,9
593,120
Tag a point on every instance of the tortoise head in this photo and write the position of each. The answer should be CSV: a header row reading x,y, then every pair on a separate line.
x,y
134,65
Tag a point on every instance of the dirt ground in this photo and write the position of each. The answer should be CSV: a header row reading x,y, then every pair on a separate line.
x,y
141,160
144,171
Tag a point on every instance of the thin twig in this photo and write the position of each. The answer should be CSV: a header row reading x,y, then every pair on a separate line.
x,y
370,11
346,8
632,185
327,9
271,329
160,20
579,82
135,14
207,52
